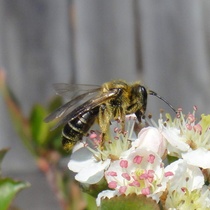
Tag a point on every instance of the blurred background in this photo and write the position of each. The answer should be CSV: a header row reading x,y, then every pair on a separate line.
x,y
165,44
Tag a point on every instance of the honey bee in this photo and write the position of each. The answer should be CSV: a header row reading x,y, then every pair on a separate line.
x,y
100,104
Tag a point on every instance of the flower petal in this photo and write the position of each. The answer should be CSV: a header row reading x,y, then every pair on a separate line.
x,y
93,173
199,157
80,159
175,139
105,194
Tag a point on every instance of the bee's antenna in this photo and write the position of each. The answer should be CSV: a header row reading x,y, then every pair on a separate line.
x,y
151,92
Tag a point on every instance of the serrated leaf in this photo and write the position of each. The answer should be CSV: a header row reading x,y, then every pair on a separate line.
x,y
134,202
39,128
8,190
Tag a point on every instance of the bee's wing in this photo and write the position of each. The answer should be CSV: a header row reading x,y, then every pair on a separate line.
x,y
65,109
88,105
70,91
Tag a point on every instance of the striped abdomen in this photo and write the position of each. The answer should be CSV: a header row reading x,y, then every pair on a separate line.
x,y
75,129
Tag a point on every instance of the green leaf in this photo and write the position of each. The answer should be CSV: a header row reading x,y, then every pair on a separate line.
x,y
2,154
134,202
20,122
8,190
91,202
54,140
39,128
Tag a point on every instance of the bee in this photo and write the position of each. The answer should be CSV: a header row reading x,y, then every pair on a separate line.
x,y
98,104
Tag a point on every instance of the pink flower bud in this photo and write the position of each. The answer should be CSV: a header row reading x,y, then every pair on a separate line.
x,y
151,139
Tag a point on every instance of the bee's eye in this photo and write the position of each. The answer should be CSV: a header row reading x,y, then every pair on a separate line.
x,y
143,91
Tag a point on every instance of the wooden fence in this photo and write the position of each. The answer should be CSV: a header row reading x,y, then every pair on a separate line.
x,y
165,44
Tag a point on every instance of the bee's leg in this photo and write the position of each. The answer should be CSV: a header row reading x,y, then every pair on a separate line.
x,y
119,116
122,123
104,122
138,126
139,115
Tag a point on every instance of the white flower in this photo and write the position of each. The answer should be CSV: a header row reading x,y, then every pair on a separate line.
x,y
142,172
132,164
198,199
185,176
184,134
186,188
89,160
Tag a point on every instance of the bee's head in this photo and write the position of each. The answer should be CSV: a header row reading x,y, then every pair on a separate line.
x,y
143,97
138,100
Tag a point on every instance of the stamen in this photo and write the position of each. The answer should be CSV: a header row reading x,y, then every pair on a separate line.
x,y
124,163
169,173
112,173
92,135
112,184
122,189
137,159
151,159
145,191
134,184
126,176
195,108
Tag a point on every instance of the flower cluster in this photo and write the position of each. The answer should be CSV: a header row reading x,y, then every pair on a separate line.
x,y
167,162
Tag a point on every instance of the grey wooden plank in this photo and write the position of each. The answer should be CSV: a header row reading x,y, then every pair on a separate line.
x,y
36,47
35,51
174,52
105,47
